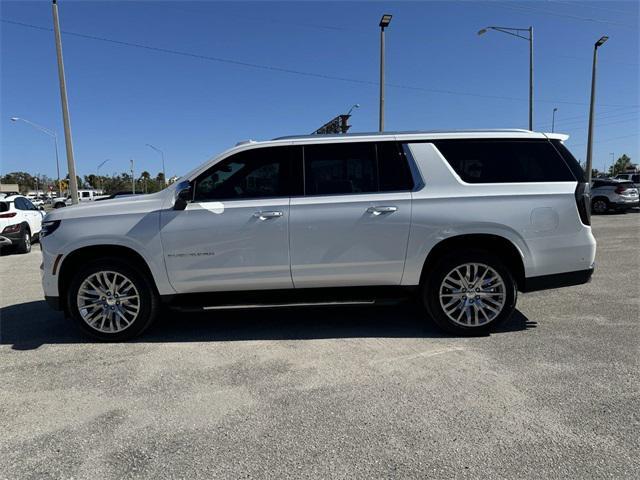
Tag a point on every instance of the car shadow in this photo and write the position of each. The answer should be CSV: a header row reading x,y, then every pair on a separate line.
x,y
28,326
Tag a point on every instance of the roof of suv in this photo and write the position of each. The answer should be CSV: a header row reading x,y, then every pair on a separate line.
x,y
477,133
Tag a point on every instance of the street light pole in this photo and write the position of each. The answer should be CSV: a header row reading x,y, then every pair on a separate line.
x,y
51,133
553,120
599,43
98,172
164,173
133,179
384,22
73,181
516,33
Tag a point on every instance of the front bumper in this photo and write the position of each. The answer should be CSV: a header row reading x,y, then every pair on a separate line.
x,y
557,280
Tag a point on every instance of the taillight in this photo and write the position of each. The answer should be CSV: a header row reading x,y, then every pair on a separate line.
x,y
583,202
8,215
620,189
11,228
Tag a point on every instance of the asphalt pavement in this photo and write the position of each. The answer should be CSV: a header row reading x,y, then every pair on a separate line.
x,y
332,392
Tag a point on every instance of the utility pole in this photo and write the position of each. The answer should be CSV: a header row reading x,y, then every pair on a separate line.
x,y
598,44
133,179
384,22
71,164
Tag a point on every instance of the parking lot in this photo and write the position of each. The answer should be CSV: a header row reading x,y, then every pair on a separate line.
x,y
331,393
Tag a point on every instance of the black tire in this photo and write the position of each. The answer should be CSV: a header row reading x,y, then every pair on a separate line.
x,y
148,299
24,245
599,205
59,205
434,282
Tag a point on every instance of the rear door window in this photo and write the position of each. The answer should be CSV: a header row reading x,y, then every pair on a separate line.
x,y
505,161
352,168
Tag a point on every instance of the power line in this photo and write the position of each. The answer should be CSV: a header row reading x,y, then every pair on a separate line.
x,y
583,119
606,140
575,129
527,9
290,70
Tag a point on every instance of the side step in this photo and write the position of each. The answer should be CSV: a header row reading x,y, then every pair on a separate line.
x,y
290,298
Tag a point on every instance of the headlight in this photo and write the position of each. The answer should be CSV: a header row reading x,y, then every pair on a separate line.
x,y
49,227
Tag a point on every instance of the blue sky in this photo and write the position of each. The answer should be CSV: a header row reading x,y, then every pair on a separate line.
x,y
440,74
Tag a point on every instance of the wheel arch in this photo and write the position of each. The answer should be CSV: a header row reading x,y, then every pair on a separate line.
x,y
500,246
74,260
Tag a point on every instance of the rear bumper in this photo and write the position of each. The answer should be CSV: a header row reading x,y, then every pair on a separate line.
x,y
557,280
626,205
4,241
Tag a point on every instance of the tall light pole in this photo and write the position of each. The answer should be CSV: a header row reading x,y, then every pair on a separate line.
x,y
73,181
553,120
384,23
613,162
164,173
133,179
51,133
516,32
596,45
98,171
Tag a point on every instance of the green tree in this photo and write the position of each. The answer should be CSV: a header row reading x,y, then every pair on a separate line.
x,y
621,165
24,180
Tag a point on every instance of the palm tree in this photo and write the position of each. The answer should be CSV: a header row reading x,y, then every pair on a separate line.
x,y
145,176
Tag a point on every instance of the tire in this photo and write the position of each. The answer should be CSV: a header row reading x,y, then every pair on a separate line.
x,y
135,299
464,312
599,205
59,205
24,245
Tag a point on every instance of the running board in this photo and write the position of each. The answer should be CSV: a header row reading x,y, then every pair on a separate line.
x,y
288,305
291,298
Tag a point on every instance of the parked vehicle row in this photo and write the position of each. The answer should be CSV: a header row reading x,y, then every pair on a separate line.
x,y
611,194
463,220
20,223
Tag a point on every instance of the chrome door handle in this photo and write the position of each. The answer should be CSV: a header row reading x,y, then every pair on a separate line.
x,y
381,209
269,214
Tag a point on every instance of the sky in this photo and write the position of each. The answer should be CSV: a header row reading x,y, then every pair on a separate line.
x,y
194,78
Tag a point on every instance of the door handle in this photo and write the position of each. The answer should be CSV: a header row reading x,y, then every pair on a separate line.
x,y
382,209
269,214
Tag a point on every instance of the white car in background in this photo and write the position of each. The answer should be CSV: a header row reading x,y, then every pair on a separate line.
x,y
20,222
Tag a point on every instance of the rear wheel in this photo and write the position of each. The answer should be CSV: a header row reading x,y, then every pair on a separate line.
x,y
111,300
470,293
24,245
599,205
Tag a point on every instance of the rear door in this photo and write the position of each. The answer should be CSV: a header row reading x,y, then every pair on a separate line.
x,y
352,224
234,234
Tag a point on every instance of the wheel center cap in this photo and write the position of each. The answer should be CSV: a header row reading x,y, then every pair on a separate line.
x,y
111,301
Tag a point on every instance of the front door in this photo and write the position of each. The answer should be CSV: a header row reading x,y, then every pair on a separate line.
x,y
352,225
234,234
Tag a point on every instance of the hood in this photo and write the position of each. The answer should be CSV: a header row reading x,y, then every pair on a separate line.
x,y
117,206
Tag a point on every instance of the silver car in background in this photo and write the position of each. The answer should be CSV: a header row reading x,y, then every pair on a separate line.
x,y
610,194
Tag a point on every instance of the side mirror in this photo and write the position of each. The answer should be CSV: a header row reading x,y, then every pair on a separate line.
x,y
183,196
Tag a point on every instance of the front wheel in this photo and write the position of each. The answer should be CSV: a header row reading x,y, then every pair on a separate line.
x,y
111,300
470,293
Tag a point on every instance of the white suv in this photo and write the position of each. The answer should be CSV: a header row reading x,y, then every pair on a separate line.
x,y
461,219
20,222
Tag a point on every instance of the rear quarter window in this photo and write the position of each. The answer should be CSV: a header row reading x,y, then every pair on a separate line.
x,y
4,207
505,161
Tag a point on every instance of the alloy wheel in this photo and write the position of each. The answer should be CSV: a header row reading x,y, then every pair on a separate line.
x,y
472,294
108,301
